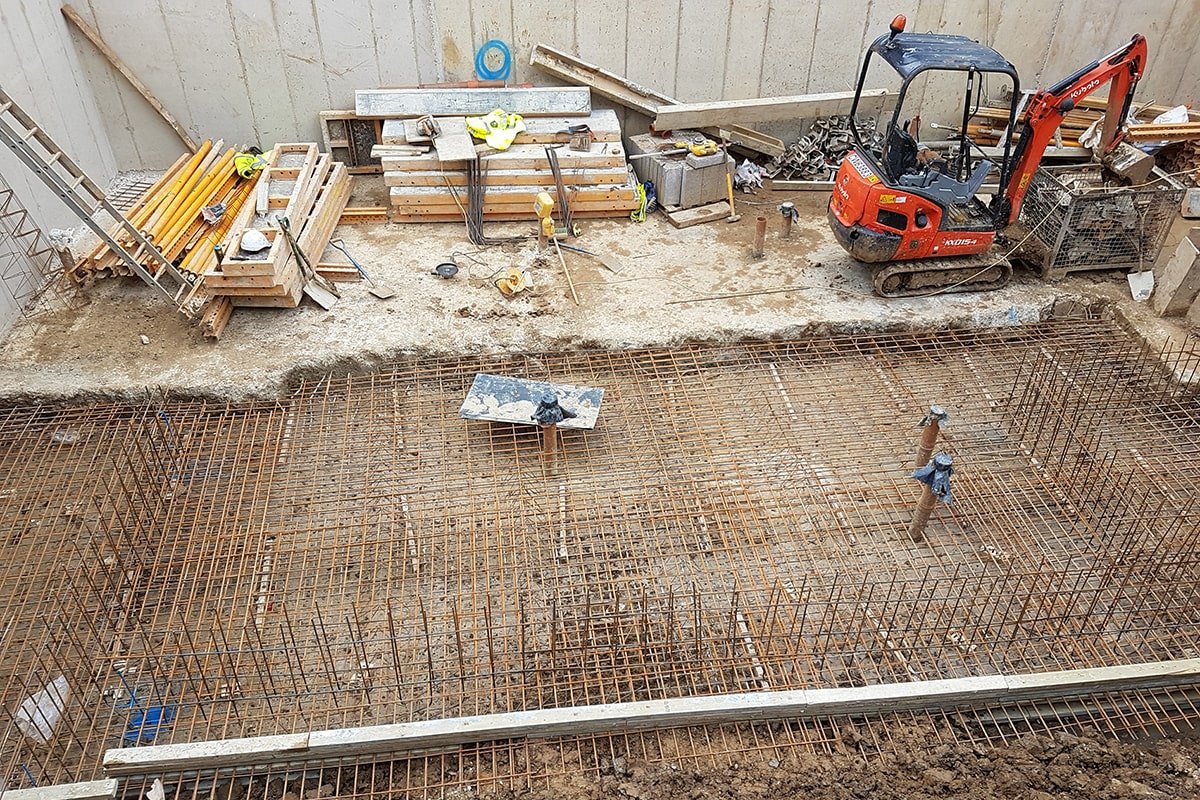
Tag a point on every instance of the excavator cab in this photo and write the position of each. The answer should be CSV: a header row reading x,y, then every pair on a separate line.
x,y
914,212
906,200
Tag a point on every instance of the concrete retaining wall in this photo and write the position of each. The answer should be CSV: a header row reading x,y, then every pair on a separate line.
x,y
262,69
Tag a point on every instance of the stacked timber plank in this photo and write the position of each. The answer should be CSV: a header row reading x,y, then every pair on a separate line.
x,y
168,215
987,126
310,191
428,178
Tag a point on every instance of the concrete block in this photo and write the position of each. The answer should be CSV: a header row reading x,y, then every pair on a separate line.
x,y
1177,288
666,172
700,162
705,184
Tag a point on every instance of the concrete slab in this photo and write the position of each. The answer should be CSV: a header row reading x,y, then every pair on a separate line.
x,y
808,282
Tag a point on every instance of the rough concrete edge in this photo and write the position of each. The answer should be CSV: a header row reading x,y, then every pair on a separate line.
x,y
281,387
286,383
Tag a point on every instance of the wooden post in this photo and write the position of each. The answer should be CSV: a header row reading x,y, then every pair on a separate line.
x,y
931,426
549,440
760,236
120,66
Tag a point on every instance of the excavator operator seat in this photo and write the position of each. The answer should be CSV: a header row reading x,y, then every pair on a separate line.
x,y
901,152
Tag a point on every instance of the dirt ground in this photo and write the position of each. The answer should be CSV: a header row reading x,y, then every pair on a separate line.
x,y
1060,766
97,351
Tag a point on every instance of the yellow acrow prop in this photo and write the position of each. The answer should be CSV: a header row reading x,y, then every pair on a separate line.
x,y
168,221
201,257
196,225
199,197
185,176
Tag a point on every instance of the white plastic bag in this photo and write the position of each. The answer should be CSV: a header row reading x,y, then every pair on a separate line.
x,y
39,714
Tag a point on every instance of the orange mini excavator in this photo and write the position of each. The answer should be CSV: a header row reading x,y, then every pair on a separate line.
x,y
915,215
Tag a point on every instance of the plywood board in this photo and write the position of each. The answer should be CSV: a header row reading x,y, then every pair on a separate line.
x,y
538,130
499,398
454,145
506,177
687,217
537,101
529,156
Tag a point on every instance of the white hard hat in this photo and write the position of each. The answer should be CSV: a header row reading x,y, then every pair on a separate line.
x,y
253,241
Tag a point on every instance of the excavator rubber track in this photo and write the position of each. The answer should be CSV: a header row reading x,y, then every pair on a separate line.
x,y
978,273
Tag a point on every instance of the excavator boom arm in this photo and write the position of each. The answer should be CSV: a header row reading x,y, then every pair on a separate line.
x,y
1048,107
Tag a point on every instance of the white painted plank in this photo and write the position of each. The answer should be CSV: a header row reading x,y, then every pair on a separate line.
x,y
397,739
87,790
454,146
538,101
703,39
766,109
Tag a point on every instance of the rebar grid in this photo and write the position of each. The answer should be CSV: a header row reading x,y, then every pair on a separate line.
x,y
359,555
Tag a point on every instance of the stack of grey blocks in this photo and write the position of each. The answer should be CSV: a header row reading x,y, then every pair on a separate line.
x,y
1177,287
680,181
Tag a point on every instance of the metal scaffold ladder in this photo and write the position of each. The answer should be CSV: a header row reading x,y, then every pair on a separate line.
x,y
34,147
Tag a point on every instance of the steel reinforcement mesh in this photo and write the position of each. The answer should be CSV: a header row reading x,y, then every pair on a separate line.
x,y
358,554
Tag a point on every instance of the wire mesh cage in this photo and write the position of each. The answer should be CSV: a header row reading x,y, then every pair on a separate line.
x,y
1080,222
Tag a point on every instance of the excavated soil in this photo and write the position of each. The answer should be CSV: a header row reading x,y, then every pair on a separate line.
x,y
1059,766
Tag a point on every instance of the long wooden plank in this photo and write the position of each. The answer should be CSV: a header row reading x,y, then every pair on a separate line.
x,y
514,216
768,109
120,66
88,790
522,210
506,177
397,739
538,130
1155,133
433,195
531,102
640,98
522,156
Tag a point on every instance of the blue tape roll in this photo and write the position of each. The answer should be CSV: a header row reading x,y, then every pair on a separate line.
x,y
481,67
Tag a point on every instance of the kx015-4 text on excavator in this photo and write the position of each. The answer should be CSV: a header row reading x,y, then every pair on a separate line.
x,y
916,216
